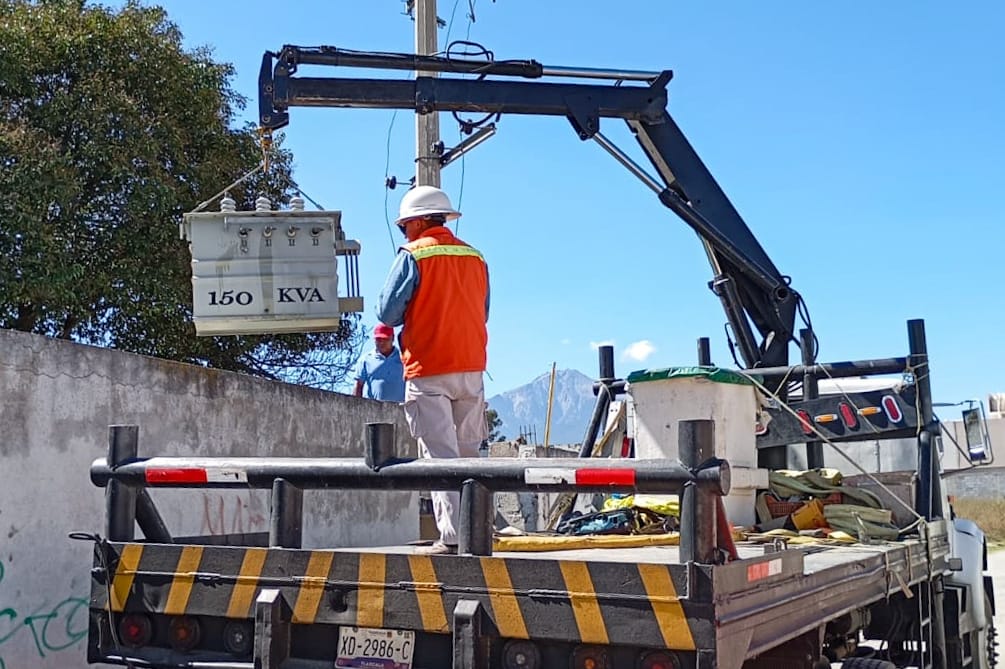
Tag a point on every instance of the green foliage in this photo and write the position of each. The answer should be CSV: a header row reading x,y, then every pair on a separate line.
x,y
494,423
109,131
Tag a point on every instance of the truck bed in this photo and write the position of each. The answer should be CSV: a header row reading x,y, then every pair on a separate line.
x,y
641,597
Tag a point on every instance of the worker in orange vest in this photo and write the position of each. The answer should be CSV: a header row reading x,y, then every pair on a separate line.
x,y
438,288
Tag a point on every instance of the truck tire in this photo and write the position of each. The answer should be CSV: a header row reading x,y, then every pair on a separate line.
x,y
986,641
866,663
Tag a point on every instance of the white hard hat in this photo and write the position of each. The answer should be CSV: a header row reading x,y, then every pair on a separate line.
x,y
425,201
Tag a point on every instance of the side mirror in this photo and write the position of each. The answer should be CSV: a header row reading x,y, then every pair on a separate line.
x,y
977,436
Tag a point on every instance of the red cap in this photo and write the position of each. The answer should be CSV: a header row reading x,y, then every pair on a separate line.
x,y
381,331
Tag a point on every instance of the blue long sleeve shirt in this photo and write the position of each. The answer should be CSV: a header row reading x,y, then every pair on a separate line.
x,y
400,285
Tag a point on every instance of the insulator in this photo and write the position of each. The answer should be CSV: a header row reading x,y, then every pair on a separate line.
x,y
263,204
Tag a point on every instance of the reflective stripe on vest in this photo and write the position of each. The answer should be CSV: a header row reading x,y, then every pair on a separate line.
x,y
444,250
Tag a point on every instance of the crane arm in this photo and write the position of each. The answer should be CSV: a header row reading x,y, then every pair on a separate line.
x,y
760,305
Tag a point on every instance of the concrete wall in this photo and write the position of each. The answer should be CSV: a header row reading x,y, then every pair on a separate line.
x,y
979,483
56,402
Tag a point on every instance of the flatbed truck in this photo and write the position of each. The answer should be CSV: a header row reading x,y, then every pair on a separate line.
x,y
265,601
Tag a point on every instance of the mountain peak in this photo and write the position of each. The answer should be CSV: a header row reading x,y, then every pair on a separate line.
x,y
567,375
527,405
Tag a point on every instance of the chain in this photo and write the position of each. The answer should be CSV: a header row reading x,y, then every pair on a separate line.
x,y
265,142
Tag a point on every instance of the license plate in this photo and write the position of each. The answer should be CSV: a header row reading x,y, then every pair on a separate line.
x,y
368,648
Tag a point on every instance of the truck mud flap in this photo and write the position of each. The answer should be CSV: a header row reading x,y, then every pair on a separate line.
x,y
273,620
471,649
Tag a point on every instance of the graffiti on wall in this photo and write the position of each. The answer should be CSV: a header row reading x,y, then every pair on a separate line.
x,y
51,628
233,514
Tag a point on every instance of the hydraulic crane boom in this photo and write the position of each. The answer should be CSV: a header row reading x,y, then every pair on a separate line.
x,y
752,291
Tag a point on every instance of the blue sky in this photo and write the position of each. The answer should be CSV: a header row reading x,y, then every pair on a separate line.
x,y
862,143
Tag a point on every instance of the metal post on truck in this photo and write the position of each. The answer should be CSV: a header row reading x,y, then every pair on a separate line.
x,y
474,536
380,449
929,498
286,519
929,502
697,532
604,392
704,352
807,342
126,506
120,498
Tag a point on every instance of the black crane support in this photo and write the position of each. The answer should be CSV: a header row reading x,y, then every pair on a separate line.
x,y
754,294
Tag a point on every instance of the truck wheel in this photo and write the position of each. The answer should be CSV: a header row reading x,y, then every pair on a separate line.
x,y
987,640
867,663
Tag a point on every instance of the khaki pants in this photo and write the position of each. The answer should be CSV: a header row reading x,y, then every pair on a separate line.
x,y
446,415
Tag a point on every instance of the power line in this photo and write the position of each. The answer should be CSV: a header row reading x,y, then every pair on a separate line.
x,y
460,132
387,182
450,23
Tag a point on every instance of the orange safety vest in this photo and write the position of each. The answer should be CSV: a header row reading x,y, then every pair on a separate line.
x,y
445,318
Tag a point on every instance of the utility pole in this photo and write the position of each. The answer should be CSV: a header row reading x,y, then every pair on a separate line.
x,y
427,126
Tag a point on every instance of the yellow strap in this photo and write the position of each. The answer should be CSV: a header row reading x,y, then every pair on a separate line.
x,y
537,543
445,250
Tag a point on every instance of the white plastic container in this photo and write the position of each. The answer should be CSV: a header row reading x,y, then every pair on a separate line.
x,y
257,272
662,398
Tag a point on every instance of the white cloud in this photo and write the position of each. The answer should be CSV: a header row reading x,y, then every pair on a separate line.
x,y
597,344
565,342
638,351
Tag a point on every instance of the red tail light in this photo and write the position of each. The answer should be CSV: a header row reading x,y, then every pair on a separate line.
x,y
135,630
892,409
658,659
184,633
804,422
589,657
848,415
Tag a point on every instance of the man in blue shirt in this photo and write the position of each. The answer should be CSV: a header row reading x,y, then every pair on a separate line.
x,y
380,371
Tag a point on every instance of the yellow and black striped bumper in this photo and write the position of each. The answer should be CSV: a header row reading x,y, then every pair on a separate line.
x,y
543,599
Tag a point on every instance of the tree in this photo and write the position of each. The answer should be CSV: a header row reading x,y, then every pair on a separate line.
x,y
494,423
109,131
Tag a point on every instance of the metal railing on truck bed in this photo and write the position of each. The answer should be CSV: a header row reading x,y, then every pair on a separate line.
x,y
161,602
